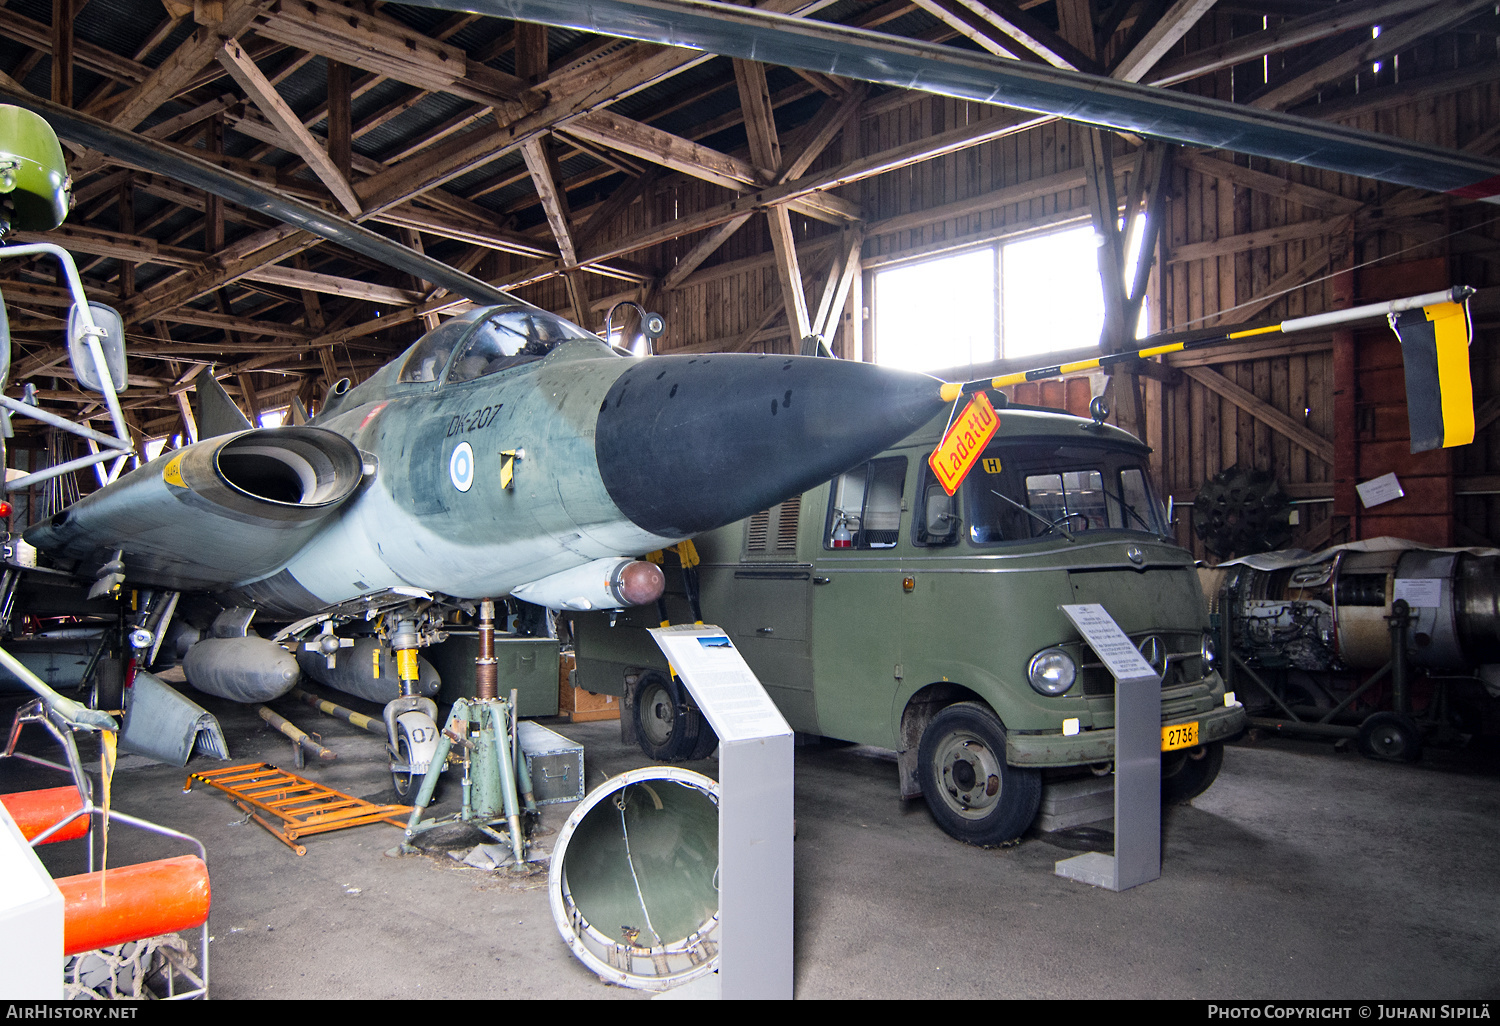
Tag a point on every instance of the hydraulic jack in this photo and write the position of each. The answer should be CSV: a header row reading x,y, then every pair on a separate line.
x,y
496,784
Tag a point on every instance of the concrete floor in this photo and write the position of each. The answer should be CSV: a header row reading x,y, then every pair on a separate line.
x,y
1305,872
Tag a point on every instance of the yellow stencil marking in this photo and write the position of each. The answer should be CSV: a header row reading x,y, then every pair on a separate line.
x,y
172,472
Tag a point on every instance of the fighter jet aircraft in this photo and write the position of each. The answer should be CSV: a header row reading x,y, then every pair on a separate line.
x,y
507,452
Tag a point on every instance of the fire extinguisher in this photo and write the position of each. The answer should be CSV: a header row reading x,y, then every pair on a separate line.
x,y
842,539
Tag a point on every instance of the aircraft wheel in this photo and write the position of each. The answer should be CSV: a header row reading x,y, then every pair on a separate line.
x,y
1188,773
973,793
404,780
1391,737
667,727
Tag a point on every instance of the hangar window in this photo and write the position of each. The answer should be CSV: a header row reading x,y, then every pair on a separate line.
x,y
1012,299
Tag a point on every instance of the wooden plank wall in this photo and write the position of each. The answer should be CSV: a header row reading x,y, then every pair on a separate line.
x,y
1196,430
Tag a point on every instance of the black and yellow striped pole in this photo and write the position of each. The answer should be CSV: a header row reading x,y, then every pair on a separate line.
x,y
1434,331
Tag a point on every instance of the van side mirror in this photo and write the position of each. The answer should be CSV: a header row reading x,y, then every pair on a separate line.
x,y
940,519
112,342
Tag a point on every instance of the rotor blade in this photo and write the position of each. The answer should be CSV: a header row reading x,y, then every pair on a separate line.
x,y
912,64
170,162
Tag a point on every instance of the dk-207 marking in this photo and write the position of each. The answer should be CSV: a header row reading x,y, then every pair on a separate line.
x,y
463,423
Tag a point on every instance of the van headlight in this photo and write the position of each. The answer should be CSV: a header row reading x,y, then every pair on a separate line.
x,y
1052,672
1209,652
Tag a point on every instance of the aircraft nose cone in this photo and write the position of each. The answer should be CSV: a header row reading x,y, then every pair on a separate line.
x,y
687,444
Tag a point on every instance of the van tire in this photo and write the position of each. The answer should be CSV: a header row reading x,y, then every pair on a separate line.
x,y
1191,773
668,727
974,795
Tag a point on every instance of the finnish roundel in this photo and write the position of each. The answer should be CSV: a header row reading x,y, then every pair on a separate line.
x,y
461,467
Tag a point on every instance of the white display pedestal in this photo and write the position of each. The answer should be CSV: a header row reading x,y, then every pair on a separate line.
x,y
755,813
1137,857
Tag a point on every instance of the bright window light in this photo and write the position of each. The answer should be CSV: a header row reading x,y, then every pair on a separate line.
x,y
938,313
154,447
1050,293
944,313
273,418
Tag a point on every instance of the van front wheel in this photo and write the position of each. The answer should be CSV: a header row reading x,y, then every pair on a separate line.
x,y
973,793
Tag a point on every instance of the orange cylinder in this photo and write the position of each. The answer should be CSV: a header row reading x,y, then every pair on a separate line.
x,y
35,811
140,901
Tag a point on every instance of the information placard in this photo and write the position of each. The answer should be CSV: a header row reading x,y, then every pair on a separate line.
x,y
726,689
1104,636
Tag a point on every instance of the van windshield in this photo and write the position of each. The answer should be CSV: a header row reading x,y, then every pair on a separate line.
x,y
1019,492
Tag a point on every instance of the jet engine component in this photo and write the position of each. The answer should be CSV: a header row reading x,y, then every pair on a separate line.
x,y
1331,611
248,669
634,878
1242,510
603,584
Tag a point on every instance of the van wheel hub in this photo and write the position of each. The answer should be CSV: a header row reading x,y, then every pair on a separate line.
x,y
970,775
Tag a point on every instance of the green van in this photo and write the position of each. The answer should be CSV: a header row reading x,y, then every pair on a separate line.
x,y
877,609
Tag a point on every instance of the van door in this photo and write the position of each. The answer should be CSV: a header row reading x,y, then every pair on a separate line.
x,y
763,603
858,603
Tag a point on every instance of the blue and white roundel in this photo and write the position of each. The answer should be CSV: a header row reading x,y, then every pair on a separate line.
x,y
461,467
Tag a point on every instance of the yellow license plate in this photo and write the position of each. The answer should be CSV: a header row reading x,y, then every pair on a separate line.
x,y
1179,735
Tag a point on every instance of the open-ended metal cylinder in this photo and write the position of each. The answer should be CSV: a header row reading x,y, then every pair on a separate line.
x,y
485,673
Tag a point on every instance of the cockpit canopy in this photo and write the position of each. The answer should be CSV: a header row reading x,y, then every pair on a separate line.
x,y
486,340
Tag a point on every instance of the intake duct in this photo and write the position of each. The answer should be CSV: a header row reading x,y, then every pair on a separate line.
x,y
266,492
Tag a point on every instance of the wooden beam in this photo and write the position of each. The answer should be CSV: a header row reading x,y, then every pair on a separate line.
x,y
554,200
296,138
1160,38
1232,244
1264,412
760,117
62,51
841,276
1055,47
175,74
531,52
1437,18
340,125
980,29
607,128
1278,38
789,271
332,285
1269,184
706,247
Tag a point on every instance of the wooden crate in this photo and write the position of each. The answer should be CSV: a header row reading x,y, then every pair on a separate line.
x,y
577,704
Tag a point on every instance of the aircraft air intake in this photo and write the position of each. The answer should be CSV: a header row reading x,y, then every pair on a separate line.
x,y
290,466
218,513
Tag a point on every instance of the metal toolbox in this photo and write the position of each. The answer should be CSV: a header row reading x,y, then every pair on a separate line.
x,y
527,664
554,762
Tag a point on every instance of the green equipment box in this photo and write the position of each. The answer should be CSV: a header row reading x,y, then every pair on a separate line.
x,y
554,762
529,665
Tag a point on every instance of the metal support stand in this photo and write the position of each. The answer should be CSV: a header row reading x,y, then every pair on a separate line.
x,y
495,779
1137,857
492,781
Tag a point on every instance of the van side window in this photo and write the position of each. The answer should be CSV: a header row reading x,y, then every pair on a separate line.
x,y
936,520
864,506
